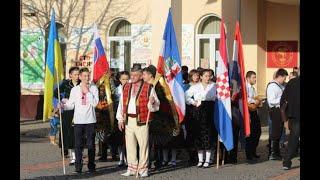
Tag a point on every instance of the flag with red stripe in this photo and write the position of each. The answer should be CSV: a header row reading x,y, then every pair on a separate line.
x,y
222,115
169,65
100,64
238,65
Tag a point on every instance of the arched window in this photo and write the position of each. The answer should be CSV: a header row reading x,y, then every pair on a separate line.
x,y
120,28
207,41
120,45
210,25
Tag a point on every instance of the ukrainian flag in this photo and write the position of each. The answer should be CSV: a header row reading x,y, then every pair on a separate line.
x,y
54,68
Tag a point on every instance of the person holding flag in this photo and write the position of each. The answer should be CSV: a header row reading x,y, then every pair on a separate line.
x,y
169,68
102,78
67,116
83,99
169,75
53,76
136,103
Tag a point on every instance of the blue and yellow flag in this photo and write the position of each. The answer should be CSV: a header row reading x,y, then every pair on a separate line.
x,y
54,68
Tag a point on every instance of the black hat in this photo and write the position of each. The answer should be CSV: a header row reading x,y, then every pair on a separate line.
x,y
136,67
152,69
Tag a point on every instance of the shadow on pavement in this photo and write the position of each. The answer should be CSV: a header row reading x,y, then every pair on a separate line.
x,y
84,175
180,165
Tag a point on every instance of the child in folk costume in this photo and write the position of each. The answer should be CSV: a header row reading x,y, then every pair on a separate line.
x,y
194,78
162,125
155,141
118,138
83,99
103,128
202,96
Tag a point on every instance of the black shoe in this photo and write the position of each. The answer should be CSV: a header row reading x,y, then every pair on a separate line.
x,y
275,151
164,163
77,172
71,164
286,166
66,153
121,164
157,165
91,171
275,157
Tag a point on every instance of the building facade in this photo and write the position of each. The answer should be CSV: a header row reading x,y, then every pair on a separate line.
x,y
132,30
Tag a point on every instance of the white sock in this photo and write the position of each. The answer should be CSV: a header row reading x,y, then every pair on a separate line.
x,y
70,151
173,155
208,155
200,155
165,155
73,154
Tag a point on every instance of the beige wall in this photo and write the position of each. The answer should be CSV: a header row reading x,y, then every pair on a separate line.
x,y
248,26
262,63
158,21
229,13
282,24
192,13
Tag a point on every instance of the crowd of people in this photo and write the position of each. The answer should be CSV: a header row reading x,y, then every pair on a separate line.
x,y
141,134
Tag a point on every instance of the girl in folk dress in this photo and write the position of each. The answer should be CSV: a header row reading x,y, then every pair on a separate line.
x,y
194,78
202,96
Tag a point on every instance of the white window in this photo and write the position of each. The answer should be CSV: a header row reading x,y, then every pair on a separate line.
x,y
207,42
120,45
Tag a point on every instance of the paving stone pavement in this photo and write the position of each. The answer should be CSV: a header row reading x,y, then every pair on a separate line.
x,y
40,160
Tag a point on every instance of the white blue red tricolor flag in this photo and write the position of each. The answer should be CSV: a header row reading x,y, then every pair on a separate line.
x,y
222,115
239,77
100,64
169,65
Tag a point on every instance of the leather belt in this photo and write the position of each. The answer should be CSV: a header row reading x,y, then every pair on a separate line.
x,y
133,115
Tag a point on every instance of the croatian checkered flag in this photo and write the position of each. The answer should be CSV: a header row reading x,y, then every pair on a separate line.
x,y
222,115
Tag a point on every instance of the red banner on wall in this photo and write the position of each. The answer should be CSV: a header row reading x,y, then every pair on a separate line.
x,y
282,54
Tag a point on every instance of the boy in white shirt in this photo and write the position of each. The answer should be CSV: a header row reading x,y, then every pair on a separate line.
x,y
83,99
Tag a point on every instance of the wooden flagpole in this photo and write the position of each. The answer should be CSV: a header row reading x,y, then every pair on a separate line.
x,y
223,155
62,146
218,150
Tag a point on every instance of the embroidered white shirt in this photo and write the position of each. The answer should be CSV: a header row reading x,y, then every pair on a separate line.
x,y
84,113
132,105
198,93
